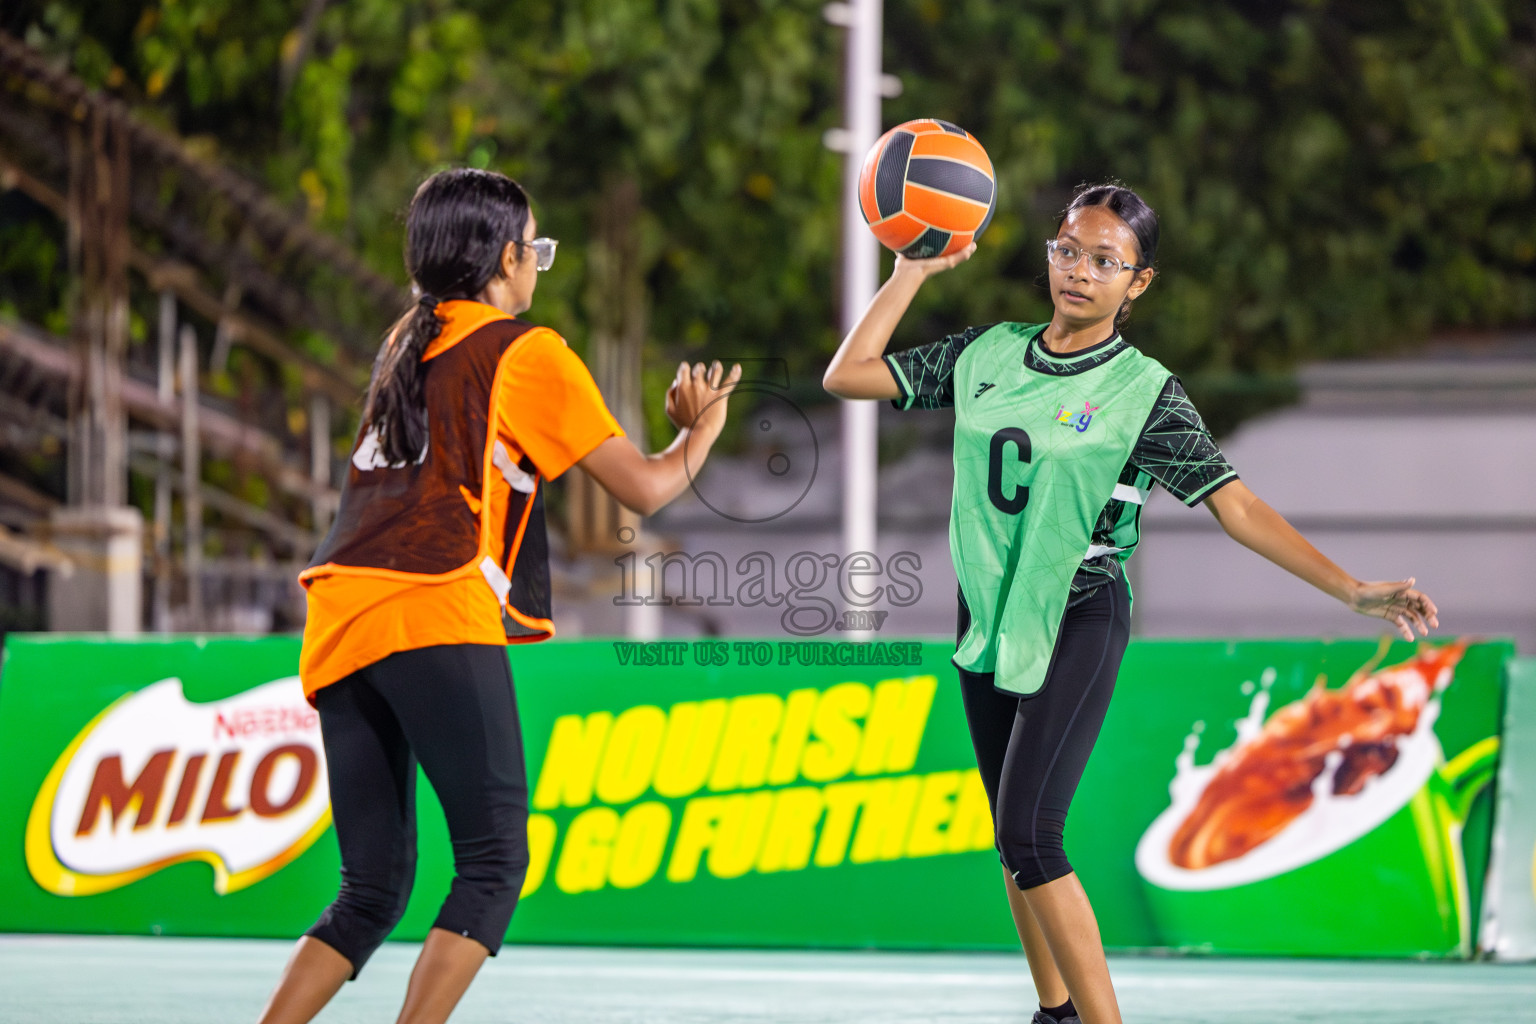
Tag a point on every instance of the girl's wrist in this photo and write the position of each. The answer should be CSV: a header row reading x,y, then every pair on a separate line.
x,y
697,435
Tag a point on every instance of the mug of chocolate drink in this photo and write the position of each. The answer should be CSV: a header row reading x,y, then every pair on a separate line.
x,y
1289,840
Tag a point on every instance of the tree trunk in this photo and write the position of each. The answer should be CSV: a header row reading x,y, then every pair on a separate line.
x,y
98,246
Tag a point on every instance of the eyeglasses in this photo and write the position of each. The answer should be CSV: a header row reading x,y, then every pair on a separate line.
x,y
543,250
1101,267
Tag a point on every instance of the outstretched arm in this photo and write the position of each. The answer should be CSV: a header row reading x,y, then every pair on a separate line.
x,y
1256,526
857,369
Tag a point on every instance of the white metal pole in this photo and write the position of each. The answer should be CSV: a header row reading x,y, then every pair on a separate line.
x,y
861,269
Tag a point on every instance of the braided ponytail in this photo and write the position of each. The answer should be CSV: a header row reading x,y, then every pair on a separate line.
x,y
459,223
396,407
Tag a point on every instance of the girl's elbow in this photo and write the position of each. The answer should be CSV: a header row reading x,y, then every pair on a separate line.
x,y
832,383
1239,527
644,504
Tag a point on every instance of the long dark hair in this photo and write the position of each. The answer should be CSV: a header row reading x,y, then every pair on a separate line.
x,y
458,224
1129,207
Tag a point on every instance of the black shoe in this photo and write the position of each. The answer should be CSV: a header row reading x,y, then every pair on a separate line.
x,y
1041,1017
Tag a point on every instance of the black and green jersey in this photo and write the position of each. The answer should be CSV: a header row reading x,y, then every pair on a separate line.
x,y
1054,458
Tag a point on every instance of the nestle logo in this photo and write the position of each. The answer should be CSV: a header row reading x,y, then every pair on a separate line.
x,y
265,721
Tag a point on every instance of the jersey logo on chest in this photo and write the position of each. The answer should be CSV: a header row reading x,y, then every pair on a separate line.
x,y
1077,420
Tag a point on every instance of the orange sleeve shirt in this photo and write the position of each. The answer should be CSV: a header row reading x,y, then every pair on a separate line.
x,y
549,405
546,406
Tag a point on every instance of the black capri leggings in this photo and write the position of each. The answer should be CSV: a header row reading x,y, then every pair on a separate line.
x,y
1031,751
452,708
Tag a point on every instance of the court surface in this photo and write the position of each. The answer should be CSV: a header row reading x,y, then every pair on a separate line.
x,y
95,980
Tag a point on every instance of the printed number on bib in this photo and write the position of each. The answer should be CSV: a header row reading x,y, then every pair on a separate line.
x,y
1013,503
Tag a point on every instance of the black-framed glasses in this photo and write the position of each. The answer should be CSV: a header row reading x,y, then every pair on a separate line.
x,y
543,251
1101,266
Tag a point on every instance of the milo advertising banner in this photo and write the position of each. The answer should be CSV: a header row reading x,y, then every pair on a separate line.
x,y
1286,797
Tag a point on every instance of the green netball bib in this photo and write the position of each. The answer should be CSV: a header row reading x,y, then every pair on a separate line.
x,y
1037,455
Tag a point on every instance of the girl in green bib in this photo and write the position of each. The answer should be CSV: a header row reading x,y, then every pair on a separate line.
x,y
1061,429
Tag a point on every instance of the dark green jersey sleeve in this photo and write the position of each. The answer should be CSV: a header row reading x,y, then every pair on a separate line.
x,y
1177,451
926,374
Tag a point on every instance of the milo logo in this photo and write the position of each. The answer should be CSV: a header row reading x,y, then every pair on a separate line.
x,y
156,780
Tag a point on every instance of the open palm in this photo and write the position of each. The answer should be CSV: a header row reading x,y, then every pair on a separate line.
x,y
1399,603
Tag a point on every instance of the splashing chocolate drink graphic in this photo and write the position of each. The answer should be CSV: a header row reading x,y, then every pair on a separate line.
x,y
1330,743
1333,824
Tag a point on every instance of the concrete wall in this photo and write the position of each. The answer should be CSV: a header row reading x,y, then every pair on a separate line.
x,y
1421,469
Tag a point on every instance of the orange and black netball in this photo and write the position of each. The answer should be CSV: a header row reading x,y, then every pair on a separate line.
x,y
927,188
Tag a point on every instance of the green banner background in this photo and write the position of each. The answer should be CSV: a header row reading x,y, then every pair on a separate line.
x,y
51,686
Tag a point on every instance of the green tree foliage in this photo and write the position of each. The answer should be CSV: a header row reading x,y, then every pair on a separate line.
x,y
712,109
1335,177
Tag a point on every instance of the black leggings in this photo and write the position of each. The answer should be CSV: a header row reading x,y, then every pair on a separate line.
x,y
452,708
1031,751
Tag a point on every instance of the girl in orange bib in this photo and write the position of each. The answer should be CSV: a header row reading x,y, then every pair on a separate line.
x,y
436,561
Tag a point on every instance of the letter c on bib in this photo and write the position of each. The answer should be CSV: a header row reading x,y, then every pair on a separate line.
x,y
1014,503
